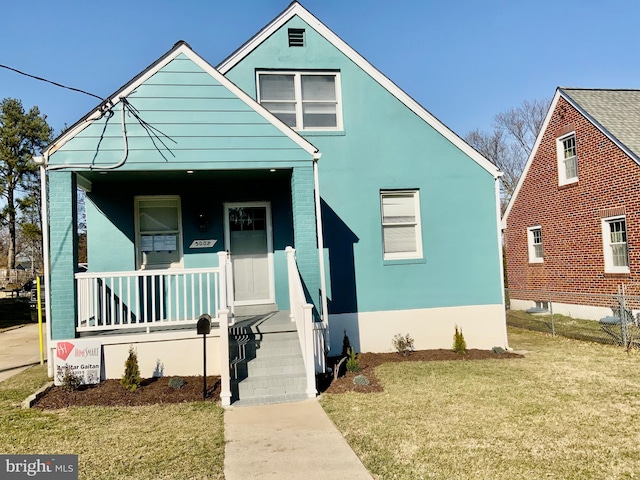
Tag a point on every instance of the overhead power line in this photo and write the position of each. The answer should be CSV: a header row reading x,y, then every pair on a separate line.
x,y
51,82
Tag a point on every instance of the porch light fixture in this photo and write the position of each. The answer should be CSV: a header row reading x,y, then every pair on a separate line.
x,y
202,220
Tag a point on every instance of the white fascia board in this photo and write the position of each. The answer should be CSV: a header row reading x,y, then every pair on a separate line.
x,y
297,9
224,81
532,155
596,124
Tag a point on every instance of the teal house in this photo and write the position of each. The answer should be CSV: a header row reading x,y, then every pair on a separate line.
x,y
292,194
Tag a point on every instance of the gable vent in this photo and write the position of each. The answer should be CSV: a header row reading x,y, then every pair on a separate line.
x,y
296,37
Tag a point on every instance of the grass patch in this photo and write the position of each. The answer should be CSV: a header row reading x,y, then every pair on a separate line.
x,y
172,441
14,311
568,410
570,327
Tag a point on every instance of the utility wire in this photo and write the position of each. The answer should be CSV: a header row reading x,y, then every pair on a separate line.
x,y
49,81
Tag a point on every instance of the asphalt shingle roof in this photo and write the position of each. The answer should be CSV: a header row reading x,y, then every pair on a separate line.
x,y
617,111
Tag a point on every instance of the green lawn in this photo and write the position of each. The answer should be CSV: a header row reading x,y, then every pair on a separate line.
x,y
568,410
153,442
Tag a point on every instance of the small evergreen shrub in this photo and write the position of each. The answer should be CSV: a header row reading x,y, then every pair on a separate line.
x,y
131,378
459,343
346,345
70,381
403,344
353,364
361,380
176,383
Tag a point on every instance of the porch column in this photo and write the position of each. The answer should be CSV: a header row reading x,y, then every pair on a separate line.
x,y
304,231
63,251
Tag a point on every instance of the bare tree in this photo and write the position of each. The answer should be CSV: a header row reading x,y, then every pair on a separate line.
x,y
510,142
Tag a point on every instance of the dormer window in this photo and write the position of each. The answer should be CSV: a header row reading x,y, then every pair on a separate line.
x,y
302,100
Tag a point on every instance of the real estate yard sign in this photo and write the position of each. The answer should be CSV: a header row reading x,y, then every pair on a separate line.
x,y
82,357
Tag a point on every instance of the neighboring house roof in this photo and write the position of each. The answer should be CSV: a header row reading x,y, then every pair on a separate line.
x,y
295,9
615,112
180,48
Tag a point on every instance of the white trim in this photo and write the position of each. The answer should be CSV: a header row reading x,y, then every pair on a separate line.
x,y
296,9
298,102
562,167
609,267
171,55
533,258
179,235
415,193
270,259
532,155
46,264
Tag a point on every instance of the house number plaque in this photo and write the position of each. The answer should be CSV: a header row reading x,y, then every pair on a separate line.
x,y
202,243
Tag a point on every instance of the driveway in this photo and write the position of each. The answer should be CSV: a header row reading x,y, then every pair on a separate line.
x,y
19,349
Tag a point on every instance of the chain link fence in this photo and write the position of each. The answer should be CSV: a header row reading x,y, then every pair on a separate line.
x,y
603,318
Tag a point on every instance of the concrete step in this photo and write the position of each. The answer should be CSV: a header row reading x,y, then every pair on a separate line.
x,y
269,400
271,385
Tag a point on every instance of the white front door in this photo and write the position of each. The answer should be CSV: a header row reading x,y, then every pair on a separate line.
x,y
248,238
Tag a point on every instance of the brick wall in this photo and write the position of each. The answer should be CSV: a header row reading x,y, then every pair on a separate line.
x,y
63,253
304,230
570,215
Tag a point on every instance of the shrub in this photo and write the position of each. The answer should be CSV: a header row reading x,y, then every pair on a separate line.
x,y
353,364
70,381
176,383
131,378
346,345
459,343
403,344
361,380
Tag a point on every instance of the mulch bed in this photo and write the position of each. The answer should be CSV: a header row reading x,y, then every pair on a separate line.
x,y
369,361
157,390
110,393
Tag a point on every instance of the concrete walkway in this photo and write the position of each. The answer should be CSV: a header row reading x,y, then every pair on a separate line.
x,y
19,349
287,440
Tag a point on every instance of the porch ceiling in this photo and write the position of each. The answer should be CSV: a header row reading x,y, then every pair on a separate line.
x,y
171,176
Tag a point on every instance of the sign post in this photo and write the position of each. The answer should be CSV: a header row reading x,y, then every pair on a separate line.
x,y
203,328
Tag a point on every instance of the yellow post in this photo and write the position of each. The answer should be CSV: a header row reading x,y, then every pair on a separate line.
x,y
39,306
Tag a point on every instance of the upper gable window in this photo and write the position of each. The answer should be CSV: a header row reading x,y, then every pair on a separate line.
x,y
567,159
302,100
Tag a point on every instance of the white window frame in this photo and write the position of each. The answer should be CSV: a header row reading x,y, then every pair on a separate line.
x,y
563,179
138,238
297,83
417,254
609,267
531,241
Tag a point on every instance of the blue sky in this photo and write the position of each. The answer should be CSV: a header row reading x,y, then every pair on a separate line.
x,y
464,61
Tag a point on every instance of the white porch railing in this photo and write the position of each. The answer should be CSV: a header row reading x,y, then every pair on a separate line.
x,y
148,298
310,333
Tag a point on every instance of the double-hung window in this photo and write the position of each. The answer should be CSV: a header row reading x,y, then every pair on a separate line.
x,y
567,159
614,237
158,231
534,235
401,231
302,100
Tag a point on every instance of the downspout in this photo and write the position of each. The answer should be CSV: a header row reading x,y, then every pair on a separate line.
x,y
323,281
42,161
123,102
500,256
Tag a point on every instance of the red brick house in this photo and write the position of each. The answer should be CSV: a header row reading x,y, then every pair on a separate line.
x,y
573,223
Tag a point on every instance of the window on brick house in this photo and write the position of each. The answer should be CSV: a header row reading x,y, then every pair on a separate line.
x,y
614,238
401,231
302,100
534,237
567,159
